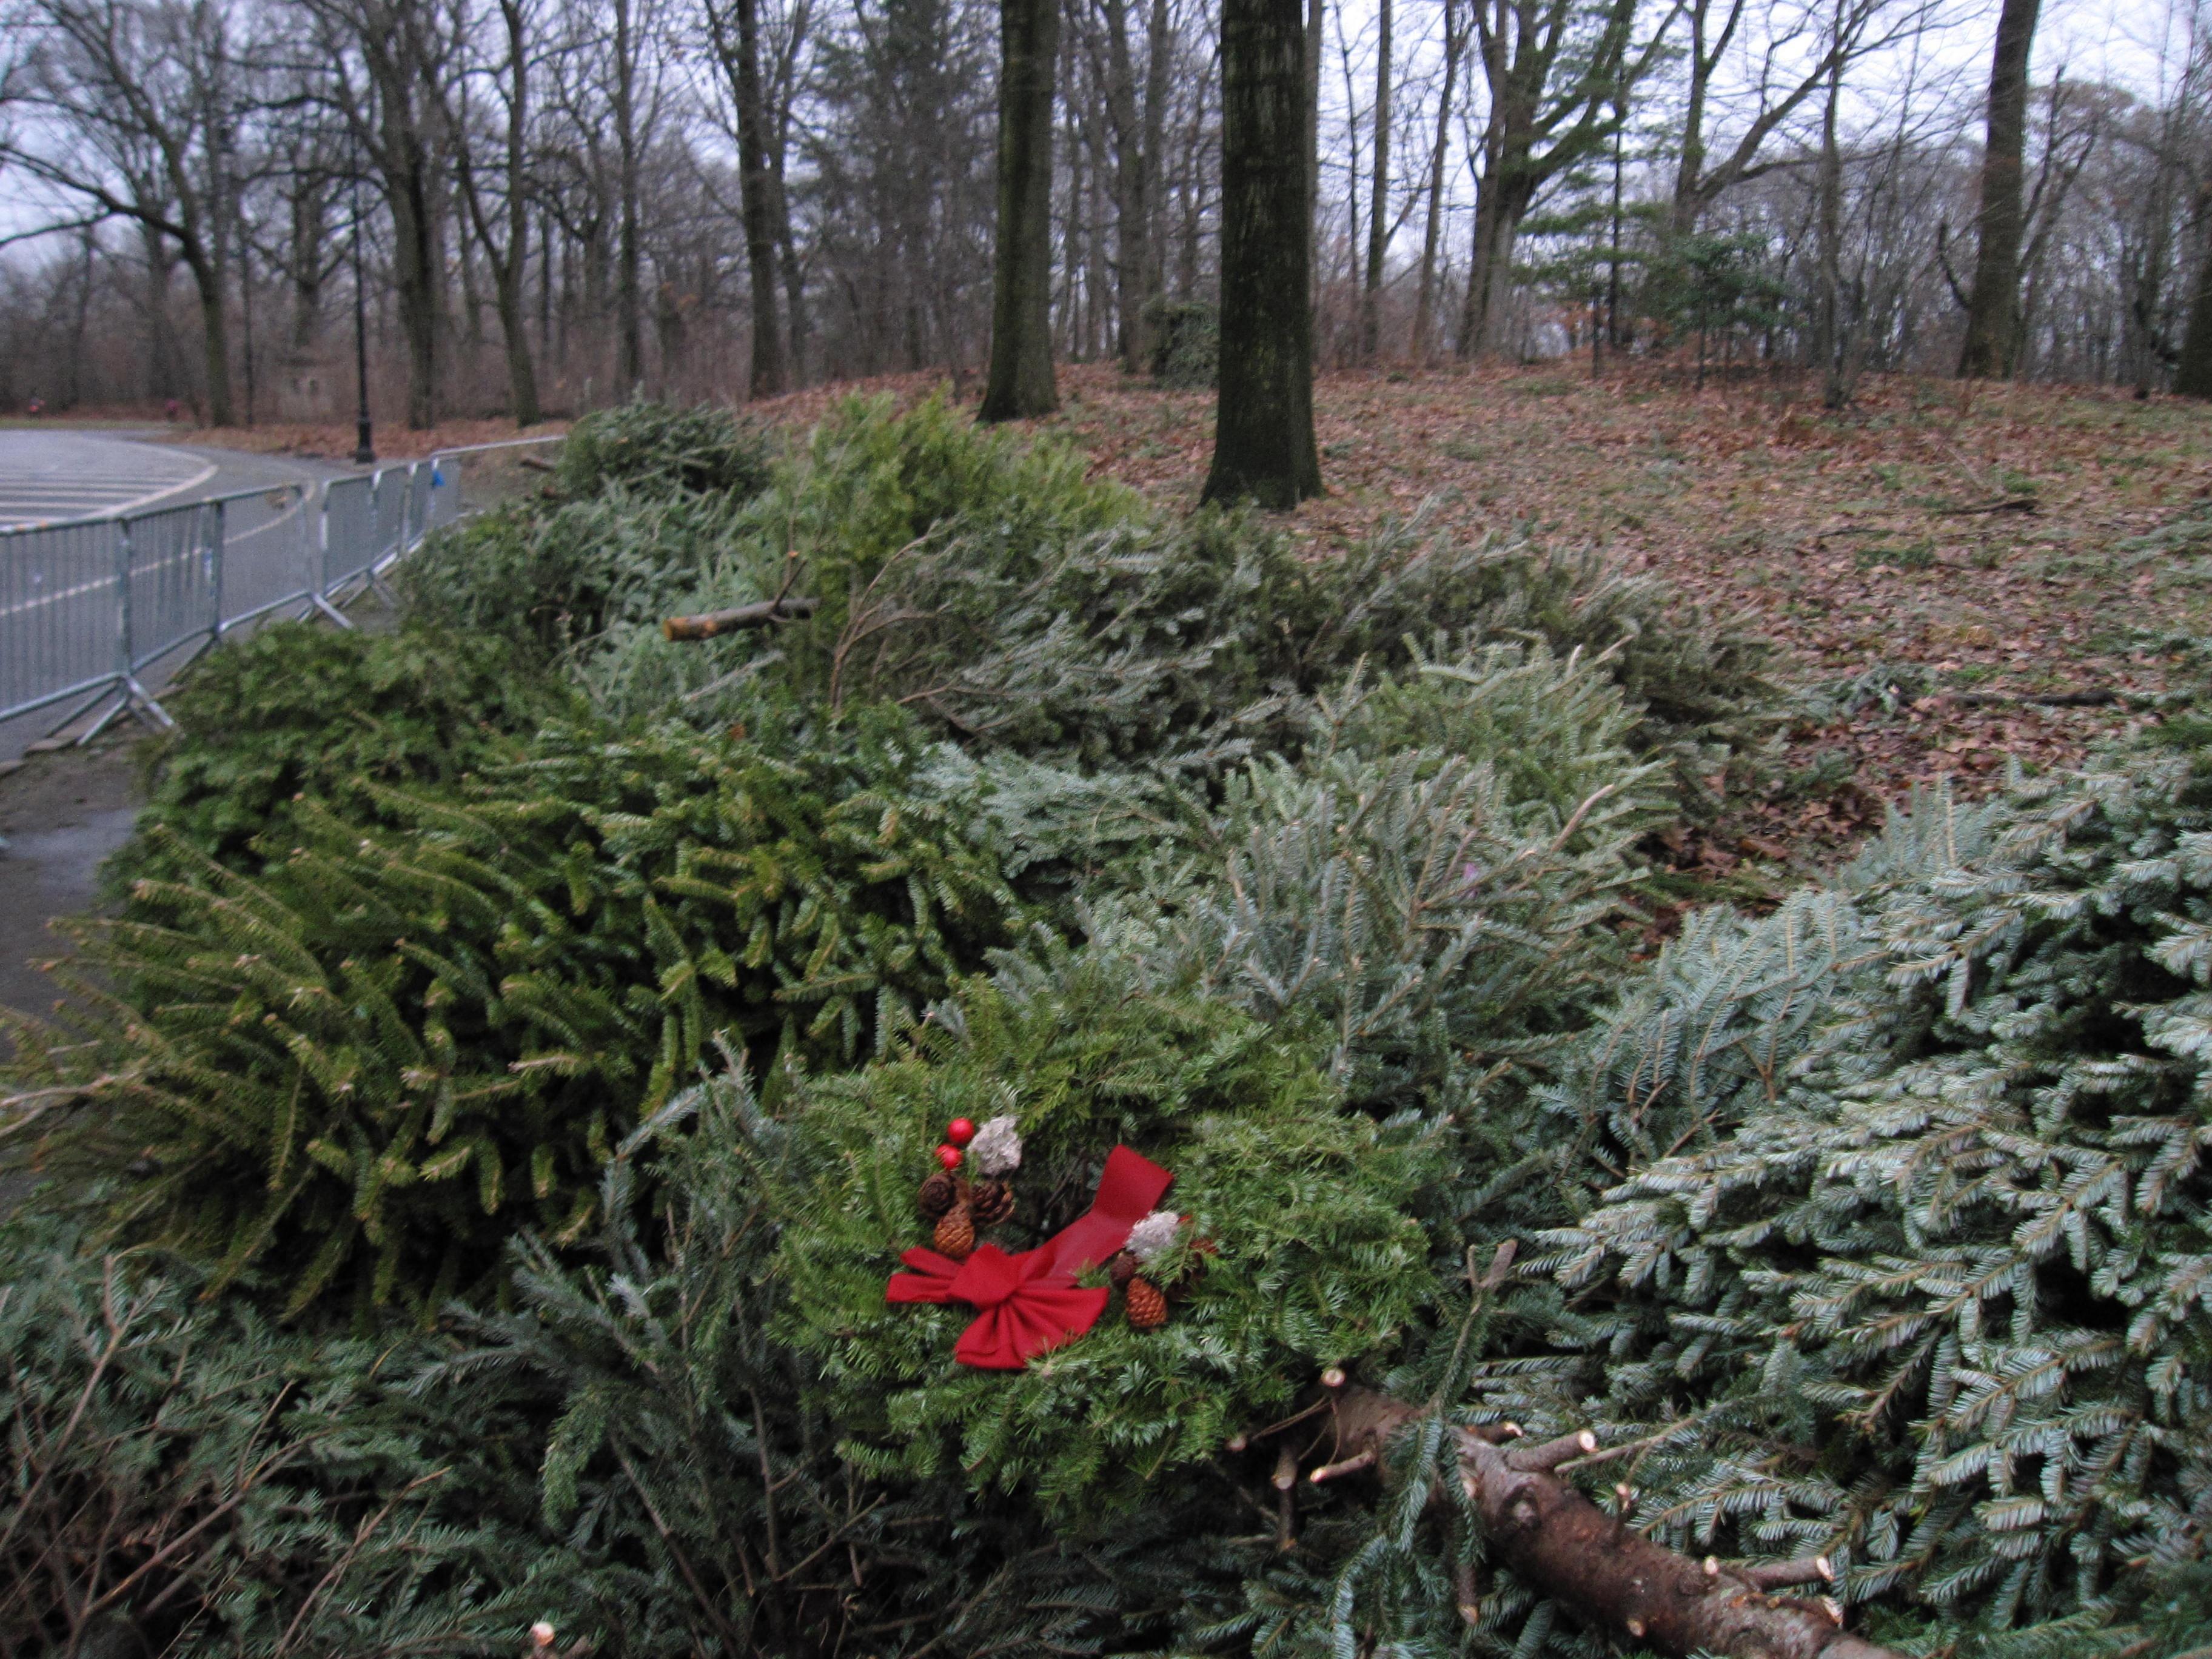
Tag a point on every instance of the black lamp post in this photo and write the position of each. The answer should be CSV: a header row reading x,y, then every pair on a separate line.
x,y
364,451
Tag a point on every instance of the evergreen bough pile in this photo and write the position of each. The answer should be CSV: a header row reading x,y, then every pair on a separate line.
x,y
364,1066
596,1007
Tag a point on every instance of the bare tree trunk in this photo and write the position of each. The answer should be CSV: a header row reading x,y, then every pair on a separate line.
x,y
1378,206
1133,170
630,320
509,264
2192,370
1314,21
416,281
757,180
1988,351
1159,48
1498,215
1827,322
162,358
1263,432
1020,383
1432,233
1072,249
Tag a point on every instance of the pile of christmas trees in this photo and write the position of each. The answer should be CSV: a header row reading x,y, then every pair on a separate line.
x,y
1096,1088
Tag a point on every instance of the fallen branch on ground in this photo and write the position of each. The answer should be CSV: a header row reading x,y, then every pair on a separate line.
x,y
2043,699
707,625
1604,1569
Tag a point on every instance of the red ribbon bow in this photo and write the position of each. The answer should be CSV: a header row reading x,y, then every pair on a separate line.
x,y
1029,1302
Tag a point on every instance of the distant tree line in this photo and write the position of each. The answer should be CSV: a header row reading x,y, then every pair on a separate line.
x,y
553,204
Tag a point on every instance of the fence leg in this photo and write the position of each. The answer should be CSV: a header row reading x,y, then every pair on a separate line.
x,y
215,576
318,597
123,663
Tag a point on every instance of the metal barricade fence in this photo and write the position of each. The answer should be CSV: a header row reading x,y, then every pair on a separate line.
x,y
87,607
349,530
174,581
58,622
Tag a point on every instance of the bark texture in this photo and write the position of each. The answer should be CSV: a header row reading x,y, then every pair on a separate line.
x,y
1551,1535
1020,381
1993,305
1263,446
709,623
759,189
2192,370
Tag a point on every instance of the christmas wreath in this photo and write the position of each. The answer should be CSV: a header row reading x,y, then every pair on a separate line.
x,y
961,1328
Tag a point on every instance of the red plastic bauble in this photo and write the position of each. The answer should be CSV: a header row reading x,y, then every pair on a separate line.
x,y
960,1132
949,1157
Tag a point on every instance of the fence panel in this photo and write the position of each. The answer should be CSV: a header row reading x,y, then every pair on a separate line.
x,y
271,555
420,478
444,489
58,615
349,530
176,563
394,486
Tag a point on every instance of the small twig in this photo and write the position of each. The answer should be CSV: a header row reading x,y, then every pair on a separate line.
x,y
1351,1465
1550,1453
1774,1574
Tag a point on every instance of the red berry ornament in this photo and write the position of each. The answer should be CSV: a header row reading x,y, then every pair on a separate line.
x,y
949,1157
960,1132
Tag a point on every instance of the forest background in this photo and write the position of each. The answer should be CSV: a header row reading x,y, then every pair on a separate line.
x,y
555,211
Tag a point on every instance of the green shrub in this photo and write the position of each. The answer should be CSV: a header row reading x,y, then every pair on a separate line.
x,y
360,1070
653,448
300,709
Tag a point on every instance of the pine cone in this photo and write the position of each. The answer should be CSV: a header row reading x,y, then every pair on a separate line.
x,y
956,1234
1147,1309
1120,1268
990,1202
938,1195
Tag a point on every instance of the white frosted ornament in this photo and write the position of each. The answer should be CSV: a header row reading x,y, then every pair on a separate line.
x,y
1149,1239
997,1148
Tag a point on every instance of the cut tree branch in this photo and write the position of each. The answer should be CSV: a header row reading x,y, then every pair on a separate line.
x,y
707,625
1599,1567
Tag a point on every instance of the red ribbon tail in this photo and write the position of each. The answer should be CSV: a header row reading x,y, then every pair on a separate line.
x,y
932,1281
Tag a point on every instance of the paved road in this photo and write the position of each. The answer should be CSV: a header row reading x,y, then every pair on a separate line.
x,y
49,475
53,476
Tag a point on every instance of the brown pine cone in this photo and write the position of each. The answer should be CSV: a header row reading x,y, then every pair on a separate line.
x,y
1147,1308
956,1234
990,1202
938,1195
1120,1268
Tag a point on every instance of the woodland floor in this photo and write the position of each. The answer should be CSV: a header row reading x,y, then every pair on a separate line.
x,y
1951,550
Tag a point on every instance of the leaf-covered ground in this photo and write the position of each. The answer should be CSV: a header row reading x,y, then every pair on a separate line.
x,y
1954,550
